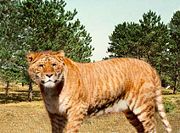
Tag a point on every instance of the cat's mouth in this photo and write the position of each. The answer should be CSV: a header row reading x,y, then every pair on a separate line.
x,y
49,83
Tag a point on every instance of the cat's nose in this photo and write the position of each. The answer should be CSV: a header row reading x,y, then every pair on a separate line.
x,y
49,75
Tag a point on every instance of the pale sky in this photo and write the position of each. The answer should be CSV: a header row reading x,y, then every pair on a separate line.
x,y
101,16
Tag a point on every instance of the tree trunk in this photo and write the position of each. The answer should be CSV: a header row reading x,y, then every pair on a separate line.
x,y
174,90
22,84
176,76
7,88
30,92
175,84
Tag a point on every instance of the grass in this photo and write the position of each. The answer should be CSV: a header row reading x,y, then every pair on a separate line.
x,y
19,116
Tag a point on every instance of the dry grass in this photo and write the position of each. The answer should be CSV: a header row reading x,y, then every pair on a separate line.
x,y
26,117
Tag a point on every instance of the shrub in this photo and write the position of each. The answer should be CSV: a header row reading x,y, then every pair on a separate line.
x,y
169,106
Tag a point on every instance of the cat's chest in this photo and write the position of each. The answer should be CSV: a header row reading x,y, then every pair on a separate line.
x,y
51,100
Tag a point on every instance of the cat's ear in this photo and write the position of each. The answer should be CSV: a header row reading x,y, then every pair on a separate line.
x,y
31,56
61,53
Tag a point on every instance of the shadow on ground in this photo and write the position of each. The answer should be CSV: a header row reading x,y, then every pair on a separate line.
x,y
18,96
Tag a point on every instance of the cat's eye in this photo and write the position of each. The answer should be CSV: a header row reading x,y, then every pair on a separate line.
x,y
54,64
41,65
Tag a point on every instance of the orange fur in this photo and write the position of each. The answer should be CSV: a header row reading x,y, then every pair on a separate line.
x,y
74,90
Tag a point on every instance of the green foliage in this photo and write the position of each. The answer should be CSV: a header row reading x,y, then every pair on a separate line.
x,y
32,25
124,40
8,66
174,50
143,40
154,38
47,26
169,106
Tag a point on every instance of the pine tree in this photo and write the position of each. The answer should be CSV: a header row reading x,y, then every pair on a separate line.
x,y
144,40
174,50
124,40
32,25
